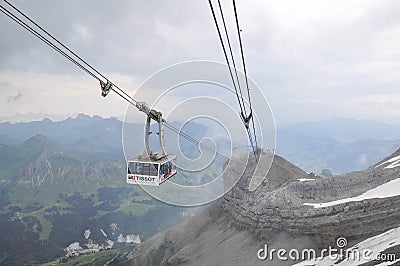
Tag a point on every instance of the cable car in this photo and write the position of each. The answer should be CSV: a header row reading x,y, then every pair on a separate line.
x,y
151,172
151,168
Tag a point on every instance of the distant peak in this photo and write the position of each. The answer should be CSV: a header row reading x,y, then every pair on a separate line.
x,y
39,139
81,115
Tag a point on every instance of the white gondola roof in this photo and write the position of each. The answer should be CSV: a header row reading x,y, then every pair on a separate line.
x,y
146,159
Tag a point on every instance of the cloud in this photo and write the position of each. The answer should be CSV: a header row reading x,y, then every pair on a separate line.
x,y
61,94
309,54
14,98
124,36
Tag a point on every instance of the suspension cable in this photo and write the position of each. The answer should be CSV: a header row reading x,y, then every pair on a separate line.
x,y
192,140
244,69
232,58
68,49
226,56
96,73
39,36
239,97
119,92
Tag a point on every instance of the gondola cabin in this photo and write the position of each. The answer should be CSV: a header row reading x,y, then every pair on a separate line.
x,y
151,172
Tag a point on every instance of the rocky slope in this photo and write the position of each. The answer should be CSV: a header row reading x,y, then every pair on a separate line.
x,y
232,230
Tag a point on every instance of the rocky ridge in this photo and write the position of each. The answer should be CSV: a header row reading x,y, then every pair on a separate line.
x,y
230,231
278,204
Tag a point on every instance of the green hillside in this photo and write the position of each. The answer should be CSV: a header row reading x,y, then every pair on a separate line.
x,y
50,196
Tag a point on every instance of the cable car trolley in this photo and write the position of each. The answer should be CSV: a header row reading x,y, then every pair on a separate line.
x,y
151,168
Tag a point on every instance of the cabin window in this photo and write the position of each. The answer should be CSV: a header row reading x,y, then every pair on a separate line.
x,y
149,169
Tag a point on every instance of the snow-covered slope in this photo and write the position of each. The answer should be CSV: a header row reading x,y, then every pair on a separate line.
x,y
380,249
387,190
390,188
391,163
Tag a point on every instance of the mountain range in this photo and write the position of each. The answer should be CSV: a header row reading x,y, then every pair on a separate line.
x,y
338,144
51,193
291,210
347,130
59,179
93,137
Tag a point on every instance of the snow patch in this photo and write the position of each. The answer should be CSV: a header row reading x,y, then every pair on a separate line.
x,y
393,165
306,179
394,162
389,189
386,263
376,244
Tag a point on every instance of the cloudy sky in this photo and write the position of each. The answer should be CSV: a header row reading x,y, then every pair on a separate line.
x,y
313,59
